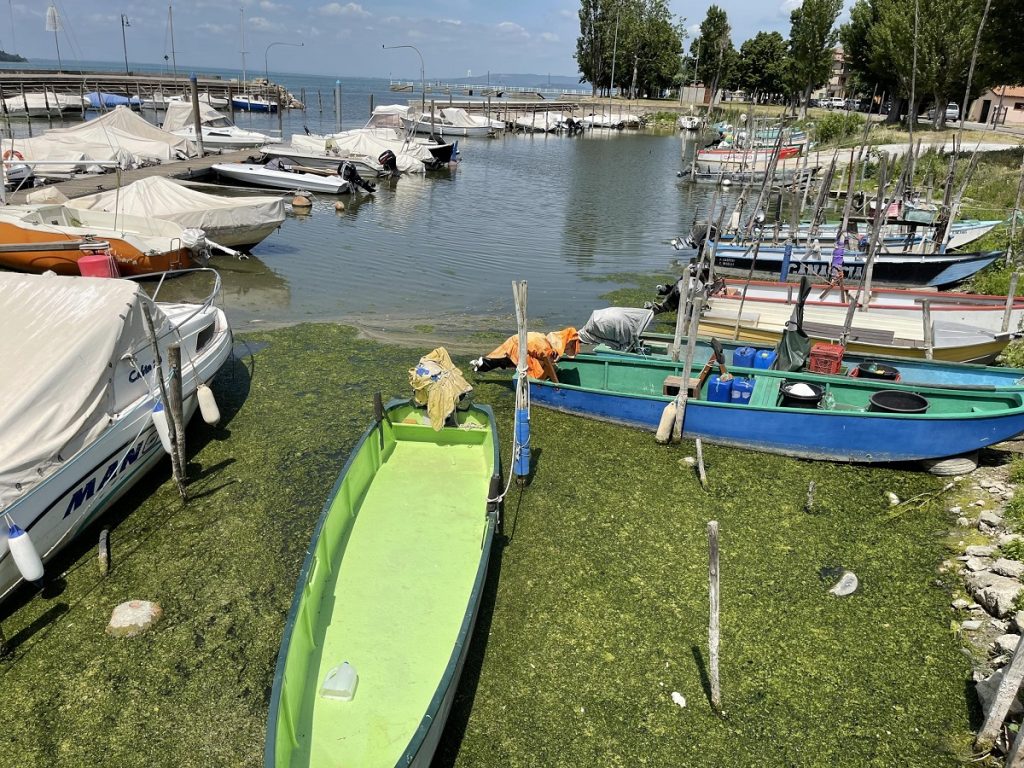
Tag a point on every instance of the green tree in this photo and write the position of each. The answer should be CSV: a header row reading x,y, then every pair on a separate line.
x,y
591,44
812,37
866,73
763,64
1001,60
713,51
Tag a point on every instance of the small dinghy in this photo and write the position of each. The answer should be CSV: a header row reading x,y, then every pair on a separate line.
x,y
388,595
279,175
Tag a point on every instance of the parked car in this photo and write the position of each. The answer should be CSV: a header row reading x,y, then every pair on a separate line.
x,y
952,112
837,103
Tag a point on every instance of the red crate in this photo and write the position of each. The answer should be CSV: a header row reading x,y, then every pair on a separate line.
x,y
826,358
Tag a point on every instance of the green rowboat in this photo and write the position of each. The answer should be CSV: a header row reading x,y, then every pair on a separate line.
x,y
391,585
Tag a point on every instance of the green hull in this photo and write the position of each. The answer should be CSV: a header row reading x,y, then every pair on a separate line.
x,y
391,584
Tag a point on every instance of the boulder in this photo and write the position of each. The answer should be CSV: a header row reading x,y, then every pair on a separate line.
x,y
133,618
980,550
971,625
994,592
961,604
1007,643
988,517
987,690
978,563
1006,567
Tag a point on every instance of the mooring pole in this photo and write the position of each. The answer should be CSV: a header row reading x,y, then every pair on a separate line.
x,y
176,404
197,123
337,106
713,627
176,468
1011,295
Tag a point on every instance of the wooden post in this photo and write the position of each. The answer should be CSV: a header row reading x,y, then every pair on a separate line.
x,y
809,506
371,103
926,318
176,405
1010,295
1013,675
81,97
197,123
702,474
103,553
713,627
431,116
176,468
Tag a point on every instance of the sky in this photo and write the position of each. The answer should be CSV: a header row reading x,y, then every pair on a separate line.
x,y
341,38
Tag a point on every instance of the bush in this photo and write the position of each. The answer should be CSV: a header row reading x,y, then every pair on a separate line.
x,y
837,126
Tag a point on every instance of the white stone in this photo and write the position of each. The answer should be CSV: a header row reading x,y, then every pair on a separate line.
x,y
978,563
961,604
987,689
988,517
955,510
1006,567
980,550
996,593
133,618
893,498
965,522
690,460
1007,643
978,503
971,625
1017,624
679,699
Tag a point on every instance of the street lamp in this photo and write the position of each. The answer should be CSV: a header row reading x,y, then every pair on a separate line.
x,y
423,79
266,66
124,42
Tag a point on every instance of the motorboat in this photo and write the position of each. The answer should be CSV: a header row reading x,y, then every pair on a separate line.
x,y
53,237
279,175
387,124
364,148
452,121
43,104
217,130
101,100
80,394
541,122
234,221
248,103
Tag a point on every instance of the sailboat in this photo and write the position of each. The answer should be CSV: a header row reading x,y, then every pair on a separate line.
x,y
246,102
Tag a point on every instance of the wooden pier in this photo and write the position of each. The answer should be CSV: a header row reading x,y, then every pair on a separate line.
x,y
196,168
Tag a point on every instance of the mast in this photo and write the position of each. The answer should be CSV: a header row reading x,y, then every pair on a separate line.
x,y
241,16
53,25
170,22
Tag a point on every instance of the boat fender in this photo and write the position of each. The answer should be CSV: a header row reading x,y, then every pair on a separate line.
x,y
301,201
339,206
668,419
208,405
160,422
24,553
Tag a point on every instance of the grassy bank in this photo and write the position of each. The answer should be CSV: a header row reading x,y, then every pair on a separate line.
x,y
596,609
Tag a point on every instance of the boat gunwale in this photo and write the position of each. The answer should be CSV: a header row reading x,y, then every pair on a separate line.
x,y
423,728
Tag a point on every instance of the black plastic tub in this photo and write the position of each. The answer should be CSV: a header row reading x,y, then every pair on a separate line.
x,y
791,400
895,401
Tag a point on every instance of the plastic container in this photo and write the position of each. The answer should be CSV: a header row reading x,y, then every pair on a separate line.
x,y
872,370
743,357
896,401
798,399
742,389
98,265
719,391
765,358
825,358
340,683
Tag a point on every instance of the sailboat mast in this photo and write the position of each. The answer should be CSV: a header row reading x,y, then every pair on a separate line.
x,y
241,16
170,21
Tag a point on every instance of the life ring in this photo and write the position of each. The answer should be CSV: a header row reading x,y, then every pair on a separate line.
x,y
9,153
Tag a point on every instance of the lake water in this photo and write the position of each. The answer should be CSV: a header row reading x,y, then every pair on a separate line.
x,y
442,250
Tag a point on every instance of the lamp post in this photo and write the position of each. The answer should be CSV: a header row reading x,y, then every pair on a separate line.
x,y
124,42
266,53
423,79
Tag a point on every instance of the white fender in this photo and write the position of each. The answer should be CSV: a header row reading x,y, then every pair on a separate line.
x,y
160,422
668,418
208,405
24,553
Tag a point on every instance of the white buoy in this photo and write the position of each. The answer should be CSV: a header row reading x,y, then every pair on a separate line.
x,y
668,418
24,553
726,182
208,405
301,201
160,422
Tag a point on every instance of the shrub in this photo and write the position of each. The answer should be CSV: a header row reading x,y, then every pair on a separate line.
x,y
838,126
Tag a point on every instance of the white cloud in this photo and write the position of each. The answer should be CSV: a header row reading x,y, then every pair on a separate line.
x,y
348,9
511,29
263,24
549,37
565,13
788,6
215,29
452,22
272,7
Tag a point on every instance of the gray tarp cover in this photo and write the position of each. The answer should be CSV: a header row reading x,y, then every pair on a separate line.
x,y
618,327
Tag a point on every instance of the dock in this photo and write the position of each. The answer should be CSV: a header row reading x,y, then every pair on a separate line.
x,y
195,168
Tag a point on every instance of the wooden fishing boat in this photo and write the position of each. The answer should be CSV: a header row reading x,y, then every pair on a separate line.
x,y
983,311
932,373
37,238
845,424
391,586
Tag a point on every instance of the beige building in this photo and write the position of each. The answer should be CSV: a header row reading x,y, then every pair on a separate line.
x,y
1000,105
840,73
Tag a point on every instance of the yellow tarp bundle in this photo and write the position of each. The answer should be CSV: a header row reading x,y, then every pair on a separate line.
x,y
438,384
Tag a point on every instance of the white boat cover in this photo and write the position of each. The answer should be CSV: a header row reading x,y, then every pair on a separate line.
x,y
618,327
460,118
64,380
120,136
179,115
165,199
410,156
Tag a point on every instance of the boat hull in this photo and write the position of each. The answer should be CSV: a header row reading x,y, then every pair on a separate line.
x,y
58,508
261,176
834,435
394,608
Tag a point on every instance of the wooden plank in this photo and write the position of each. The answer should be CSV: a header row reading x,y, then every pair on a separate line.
x,y
833,331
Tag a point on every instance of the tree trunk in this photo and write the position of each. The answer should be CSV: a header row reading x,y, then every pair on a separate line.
x,y
893,118
806,100
939,115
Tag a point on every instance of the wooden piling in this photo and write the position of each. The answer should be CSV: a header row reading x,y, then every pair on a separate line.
x,y
103,553
176,405
702,474
713,626
1010,296
926,318
176,468
1013,675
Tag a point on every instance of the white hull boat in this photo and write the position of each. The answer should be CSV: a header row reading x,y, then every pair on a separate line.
x,y
688,122
247,103
43,104
79,427
218,131
280,178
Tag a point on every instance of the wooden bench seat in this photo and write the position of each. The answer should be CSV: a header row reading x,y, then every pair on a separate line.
x,y
766,392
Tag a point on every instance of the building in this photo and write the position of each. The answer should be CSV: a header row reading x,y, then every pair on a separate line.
x,y
999,105
838,77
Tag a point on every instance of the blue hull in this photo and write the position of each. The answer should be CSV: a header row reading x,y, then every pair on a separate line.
x,y
109,100
245,105
807,434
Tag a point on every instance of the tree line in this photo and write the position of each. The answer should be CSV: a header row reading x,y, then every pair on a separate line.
x,y
637,47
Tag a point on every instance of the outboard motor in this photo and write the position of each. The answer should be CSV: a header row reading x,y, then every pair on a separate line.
x,y
389,160
348,172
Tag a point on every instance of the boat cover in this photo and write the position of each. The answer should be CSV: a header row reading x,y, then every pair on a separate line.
x,y
165,199
64,379
179,115
439,385
411,155
120,136
617,327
